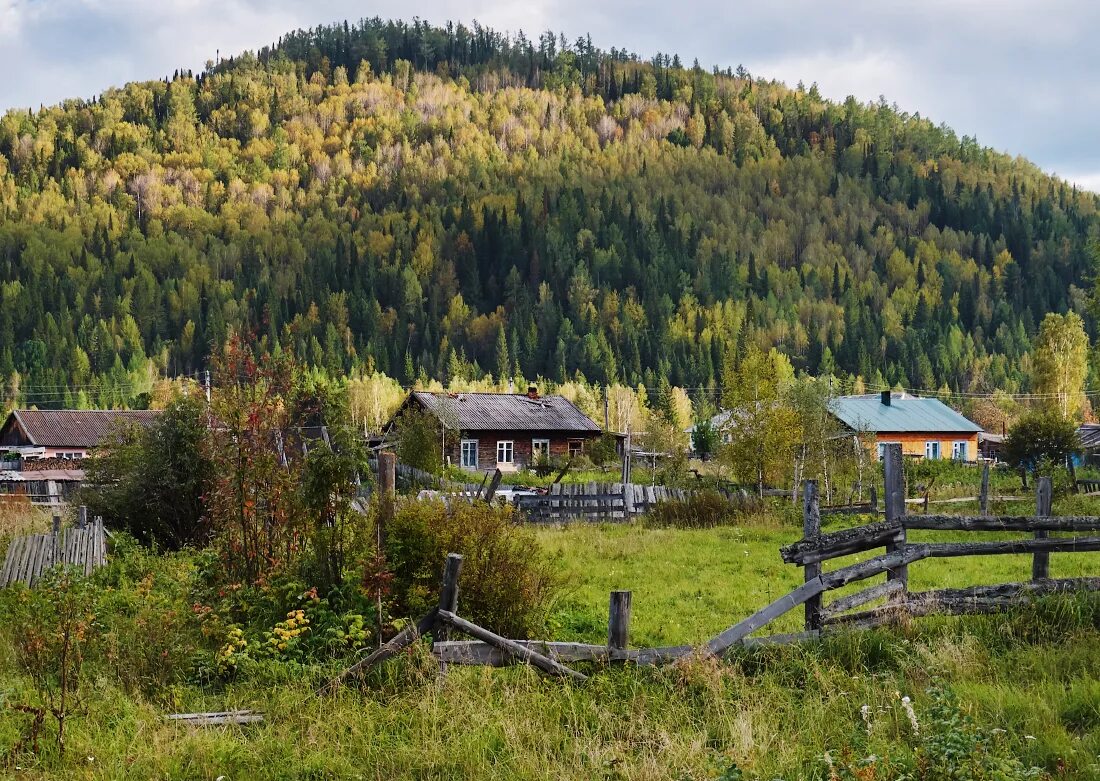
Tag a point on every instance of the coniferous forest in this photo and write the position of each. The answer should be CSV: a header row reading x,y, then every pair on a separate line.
x,y
449,202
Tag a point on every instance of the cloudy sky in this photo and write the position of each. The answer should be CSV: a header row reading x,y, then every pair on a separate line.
x,y
1017,75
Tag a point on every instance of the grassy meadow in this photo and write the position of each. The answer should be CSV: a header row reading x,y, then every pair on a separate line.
x,y
996,697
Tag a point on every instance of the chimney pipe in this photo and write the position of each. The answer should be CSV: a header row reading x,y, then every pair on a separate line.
x,y
886,397
532,391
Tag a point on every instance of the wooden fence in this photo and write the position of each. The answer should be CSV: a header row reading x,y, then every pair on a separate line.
x,y
595,501
811,553
892,534
83,546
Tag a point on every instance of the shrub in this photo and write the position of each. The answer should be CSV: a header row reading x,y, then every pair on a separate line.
x,y
508,583
603,450
1040,439
702,510
150,481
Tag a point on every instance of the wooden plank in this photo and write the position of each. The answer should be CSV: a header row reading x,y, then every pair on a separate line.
x,y
886,563
976,599
840,543
216,719
475,652
448,595
1044,492
522,653
862,597
15,548
1007,547
722,642
1003,523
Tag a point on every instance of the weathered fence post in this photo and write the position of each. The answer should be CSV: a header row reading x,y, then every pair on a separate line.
x,y
1040,564
387,489
811,527
874,498
894,474
983,497
618,620
82,517
448,599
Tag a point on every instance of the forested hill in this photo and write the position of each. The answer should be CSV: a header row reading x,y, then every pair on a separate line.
x,y
441,202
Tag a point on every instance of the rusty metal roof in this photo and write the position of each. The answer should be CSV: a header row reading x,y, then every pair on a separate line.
x,y
74,428
505,412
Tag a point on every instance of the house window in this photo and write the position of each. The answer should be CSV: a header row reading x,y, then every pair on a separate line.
x,y
575,447
959,451
881,451
932,450
469,454
540,449
504,451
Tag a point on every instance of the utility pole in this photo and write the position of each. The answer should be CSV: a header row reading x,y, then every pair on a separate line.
x,y
606,416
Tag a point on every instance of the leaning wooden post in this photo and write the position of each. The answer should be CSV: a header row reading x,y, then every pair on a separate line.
x,y
811,528
983,497
618,621
895,509
82,517
448,598
1040,564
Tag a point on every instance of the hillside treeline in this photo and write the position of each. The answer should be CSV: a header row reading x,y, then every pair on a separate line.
x,y
451,202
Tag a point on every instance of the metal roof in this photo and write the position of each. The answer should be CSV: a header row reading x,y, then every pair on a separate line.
x,y
505,412
904,414
1089,434
74,428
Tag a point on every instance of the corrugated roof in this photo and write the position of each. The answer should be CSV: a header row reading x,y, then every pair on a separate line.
x,y
903,414
506,412
1089,434
76,428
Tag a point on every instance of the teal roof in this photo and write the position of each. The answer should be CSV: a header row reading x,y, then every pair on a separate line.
x,y
904,414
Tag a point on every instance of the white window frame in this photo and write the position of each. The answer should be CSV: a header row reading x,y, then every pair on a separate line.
x,y
508,446
539,446
462,453
579,444
932,450
880,450
959,450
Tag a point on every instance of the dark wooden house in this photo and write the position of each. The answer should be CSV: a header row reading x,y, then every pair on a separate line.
x,y
506,431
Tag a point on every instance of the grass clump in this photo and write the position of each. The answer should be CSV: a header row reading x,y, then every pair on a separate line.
x,y
703,510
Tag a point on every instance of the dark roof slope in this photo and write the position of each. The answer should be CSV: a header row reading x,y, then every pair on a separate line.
x,y
505,412
1089,434
81,428
903,414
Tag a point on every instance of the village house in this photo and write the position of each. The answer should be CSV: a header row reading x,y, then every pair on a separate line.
x,y
40,450
506,431
926,428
